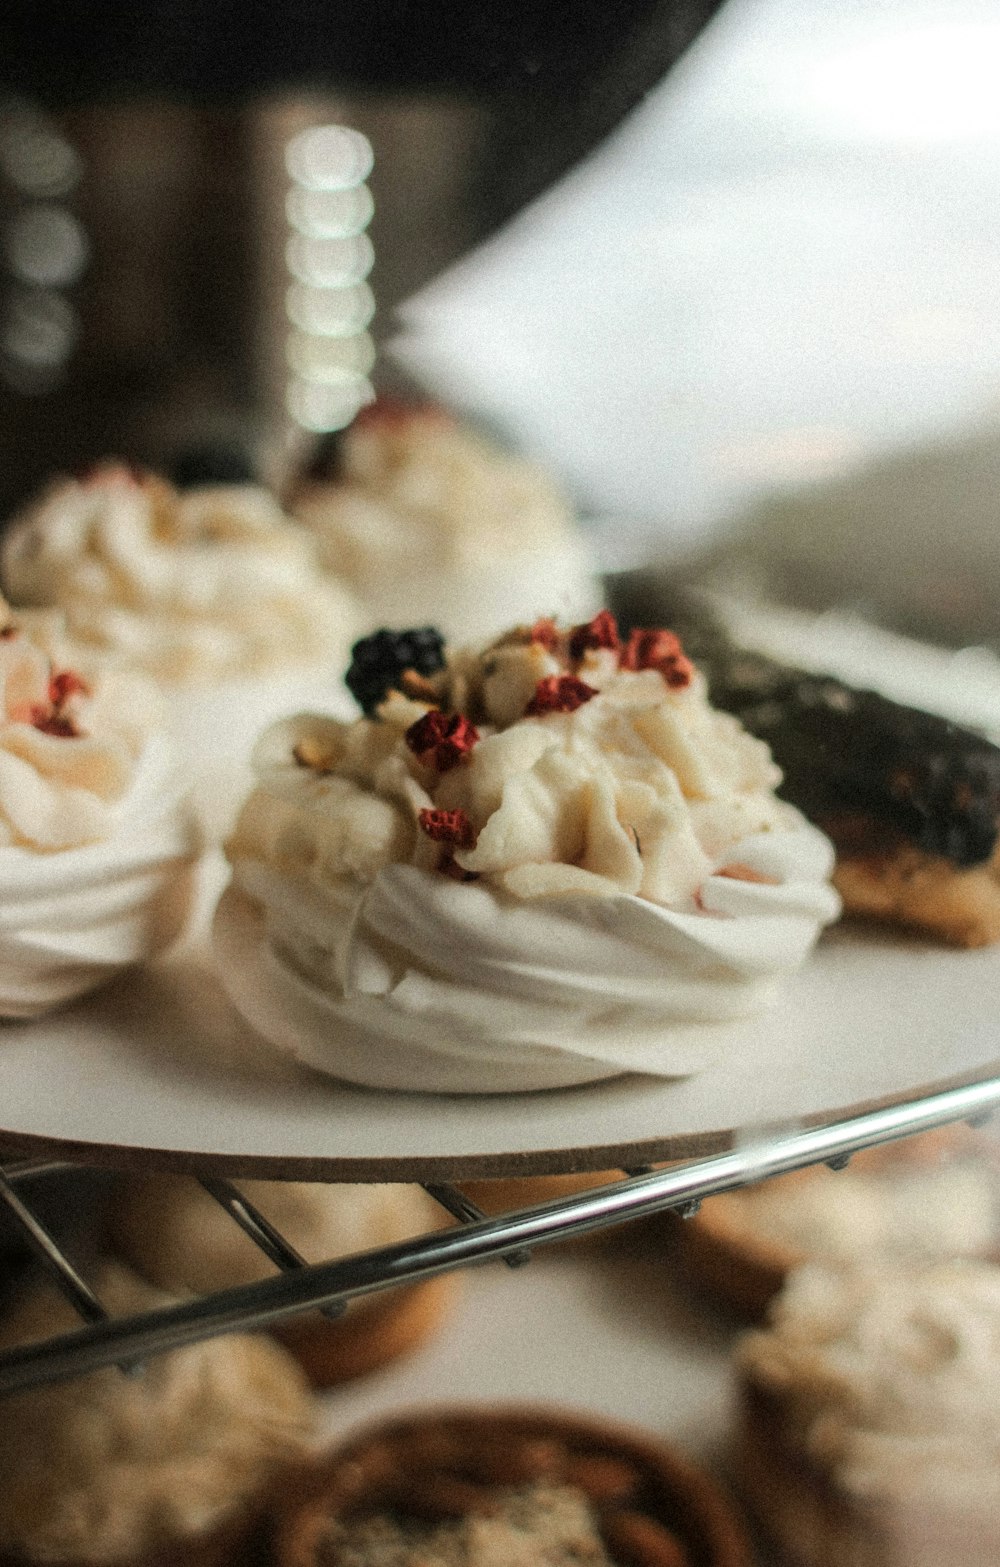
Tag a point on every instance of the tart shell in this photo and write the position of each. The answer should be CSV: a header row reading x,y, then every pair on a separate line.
x,y
727,1257
627,1475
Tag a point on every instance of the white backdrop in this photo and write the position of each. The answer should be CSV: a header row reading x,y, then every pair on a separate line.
x,y
783,265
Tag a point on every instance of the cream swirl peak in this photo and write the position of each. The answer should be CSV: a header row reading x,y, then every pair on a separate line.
x,y
545,862
426,518
203,585
96,846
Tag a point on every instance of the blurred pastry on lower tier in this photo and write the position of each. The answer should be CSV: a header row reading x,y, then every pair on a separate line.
x,y
533,864
507,1194
869,1432
169,1465
926,1198
212,592
429,521
97,842
179,1237
472,1487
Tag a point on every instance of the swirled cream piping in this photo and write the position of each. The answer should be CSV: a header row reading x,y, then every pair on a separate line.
x,y
891,1380
418,983
413,487
96,845
202,586
428,521
573,886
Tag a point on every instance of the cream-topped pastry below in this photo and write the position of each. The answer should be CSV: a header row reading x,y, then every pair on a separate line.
x,y
179,1238
190,587
213,592
871,1430
906,1214
427,520
97,847
551,862
111,1468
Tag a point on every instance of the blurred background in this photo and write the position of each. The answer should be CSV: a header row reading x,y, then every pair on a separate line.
x,y
744,307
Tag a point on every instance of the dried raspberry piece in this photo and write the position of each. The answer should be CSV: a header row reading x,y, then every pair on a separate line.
x,y
65,684
51,722
602,631
7,632
546,634
559,694
439,741
451,827
647,649
657,649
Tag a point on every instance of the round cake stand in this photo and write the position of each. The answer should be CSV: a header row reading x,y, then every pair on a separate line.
x,y
876,1039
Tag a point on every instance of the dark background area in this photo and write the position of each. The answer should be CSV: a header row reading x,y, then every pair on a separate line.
x,y
178,112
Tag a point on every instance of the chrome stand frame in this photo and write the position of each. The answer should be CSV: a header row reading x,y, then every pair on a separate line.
x,y
328,1286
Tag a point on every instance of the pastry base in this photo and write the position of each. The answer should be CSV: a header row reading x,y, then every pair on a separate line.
x,y
727,1258
924,892
380,1330
527,1191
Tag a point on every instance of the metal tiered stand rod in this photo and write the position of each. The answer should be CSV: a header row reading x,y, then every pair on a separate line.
x,y
473,1238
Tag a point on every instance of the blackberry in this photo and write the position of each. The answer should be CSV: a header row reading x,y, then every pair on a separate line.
x,y
378,661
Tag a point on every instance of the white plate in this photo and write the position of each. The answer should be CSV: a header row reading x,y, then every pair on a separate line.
x,y
160,1071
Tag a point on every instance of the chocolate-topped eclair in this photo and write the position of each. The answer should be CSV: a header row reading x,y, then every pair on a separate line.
x,y
910,800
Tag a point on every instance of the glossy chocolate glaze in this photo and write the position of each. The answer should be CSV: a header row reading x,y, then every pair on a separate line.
x,y
869,771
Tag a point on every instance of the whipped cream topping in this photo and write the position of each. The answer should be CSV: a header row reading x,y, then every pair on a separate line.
x,y
906,1214
428,521
178,1237
191,587
891,1384
568,889
111,1468
96,846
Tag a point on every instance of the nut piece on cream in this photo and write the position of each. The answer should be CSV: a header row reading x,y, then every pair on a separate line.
x,y
427,520
548,862
97,848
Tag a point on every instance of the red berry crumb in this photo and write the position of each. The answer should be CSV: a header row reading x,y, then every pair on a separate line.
x,y
546,634
451,827
52,722
658,650
559,694
65,684
602,631
439,741
7,632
